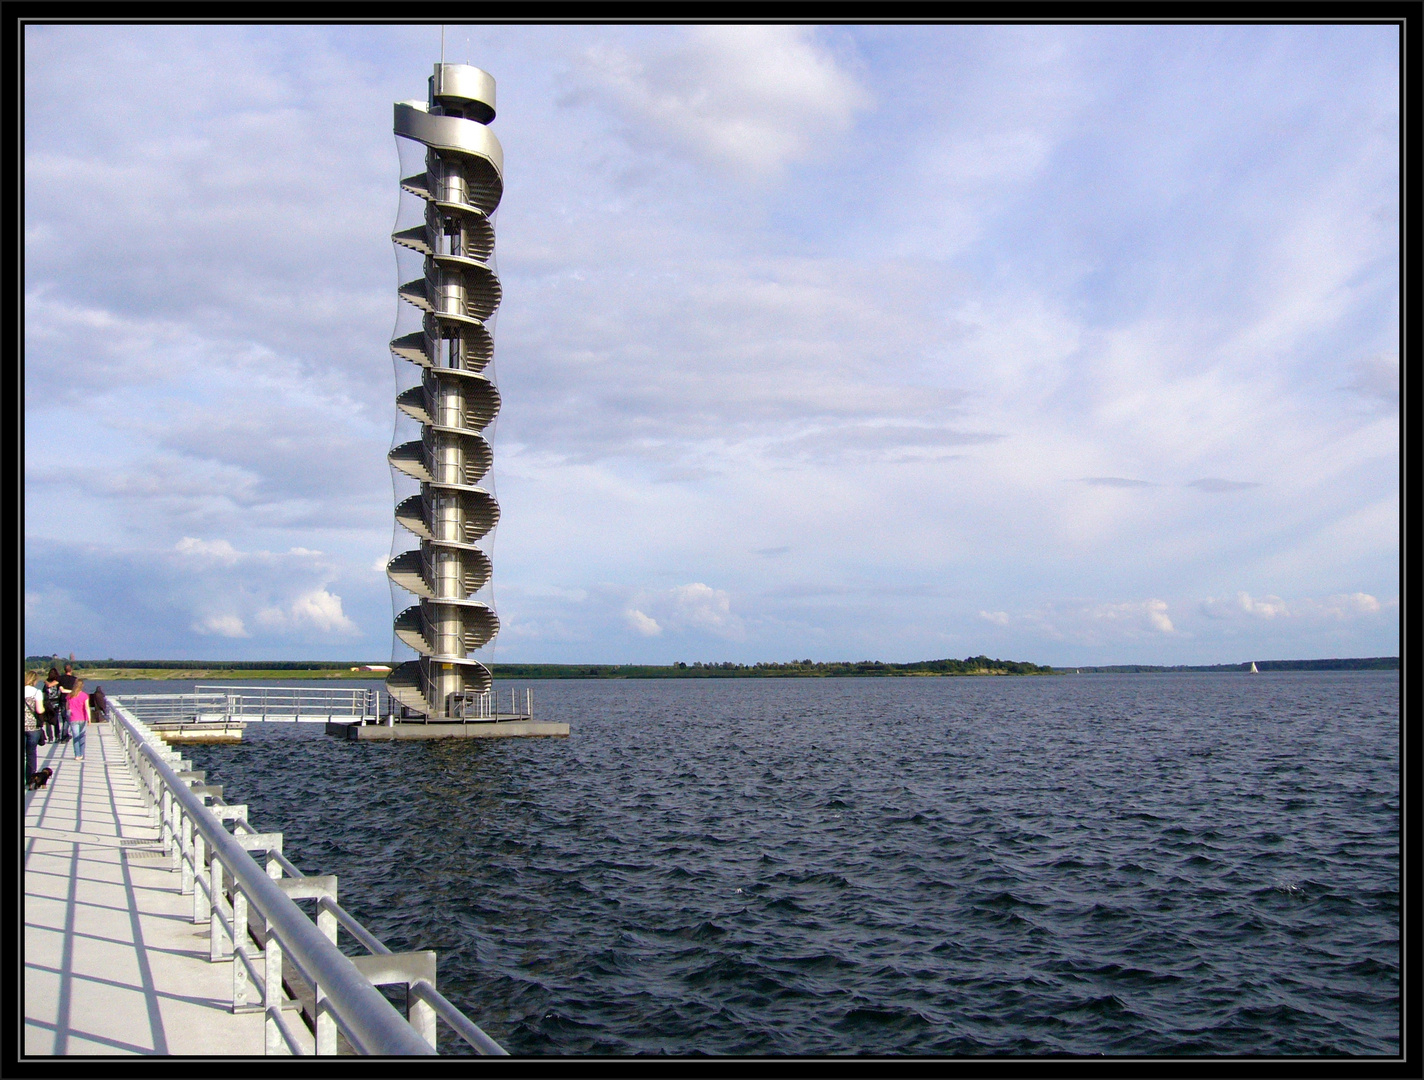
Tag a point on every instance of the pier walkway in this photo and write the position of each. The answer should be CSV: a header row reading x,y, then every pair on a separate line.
x,y
114,963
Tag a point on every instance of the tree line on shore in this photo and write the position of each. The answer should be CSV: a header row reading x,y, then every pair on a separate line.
x,y
972,665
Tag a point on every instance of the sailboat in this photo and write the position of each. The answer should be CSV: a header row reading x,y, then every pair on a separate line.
x,y
1254,669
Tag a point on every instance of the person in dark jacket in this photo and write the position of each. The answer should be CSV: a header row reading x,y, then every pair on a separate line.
x,y
54,710
98,705
67,682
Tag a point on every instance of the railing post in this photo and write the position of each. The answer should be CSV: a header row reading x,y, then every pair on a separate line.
x,y
179,824
141,767
186,855
165,819
240,981
325,1024
200,854
272,974
216,933
421,1015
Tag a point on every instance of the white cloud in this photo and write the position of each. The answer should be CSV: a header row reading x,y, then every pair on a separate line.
x,y
1084,623
317,609
695,607
645,625
1157,616
229,626
1268,607
1141,615
998,618
702,607
1358,603
220,551
1341,606
322,610
747,98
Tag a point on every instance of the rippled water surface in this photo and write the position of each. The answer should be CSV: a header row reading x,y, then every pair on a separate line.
x,y
1192,864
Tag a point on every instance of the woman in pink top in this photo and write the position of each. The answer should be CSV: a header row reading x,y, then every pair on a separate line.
x,y
78,717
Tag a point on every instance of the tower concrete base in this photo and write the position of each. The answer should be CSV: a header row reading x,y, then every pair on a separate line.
x,y
499,729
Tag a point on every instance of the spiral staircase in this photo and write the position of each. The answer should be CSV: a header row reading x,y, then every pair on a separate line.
x,y
455,399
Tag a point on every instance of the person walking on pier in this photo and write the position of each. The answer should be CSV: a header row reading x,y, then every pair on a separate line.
x,y
55,715
78,718
66,687
98,705
34,709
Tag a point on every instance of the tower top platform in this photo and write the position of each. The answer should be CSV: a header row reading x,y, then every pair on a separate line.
x,y
462,90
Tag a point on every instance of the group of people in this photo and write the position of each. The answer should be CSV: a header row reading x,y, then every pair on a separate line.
x,y
58,709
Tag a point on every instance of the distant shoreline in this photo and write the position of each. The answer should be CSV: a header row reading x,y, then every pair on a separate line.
x,y
175,670
1365,663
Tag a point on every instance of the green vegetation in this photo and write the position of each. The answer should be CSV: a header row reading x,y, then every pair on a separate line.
x,y
212,670
974,665
216,670
310,669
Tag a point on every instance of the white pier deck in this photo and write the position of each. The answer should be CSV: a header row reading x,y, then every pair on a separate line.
x,y
114,963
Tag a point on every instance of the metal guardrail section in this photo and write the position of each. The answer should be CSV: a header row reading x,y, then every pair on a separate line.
x,y
320,702
217,867
483,705
243,704
166,708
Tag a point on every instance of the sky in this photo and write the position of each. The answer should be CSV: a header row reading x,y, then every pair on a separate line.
x,y
1070,344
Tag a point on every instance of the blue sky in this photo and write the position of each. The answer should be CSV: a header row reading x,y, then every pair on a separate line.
x,y
1074,344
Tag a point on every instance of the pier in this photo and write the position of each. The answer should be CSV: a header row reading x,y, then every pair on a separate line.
x,y
216,714
151,927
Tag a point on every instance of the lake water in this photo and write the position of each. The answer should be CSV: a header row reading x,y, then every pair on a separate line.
x,y
1125,865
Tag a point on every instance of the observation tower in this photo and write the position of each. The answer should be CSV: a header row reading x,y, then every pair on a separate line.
x,y
452,515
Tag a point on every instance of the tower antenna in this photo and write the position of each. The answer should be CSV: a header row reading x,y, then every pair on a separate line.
x,y
442,44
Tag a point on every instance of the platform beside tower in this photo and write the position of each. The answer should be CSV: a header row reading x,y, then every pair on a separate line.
x,y
473,729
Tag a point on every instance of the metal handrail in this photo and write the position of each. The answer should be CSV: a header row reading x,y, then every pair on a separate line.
x,y
421,989
462,1024
369,1021
354,700
169,706
353,927
243,703
274,1013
